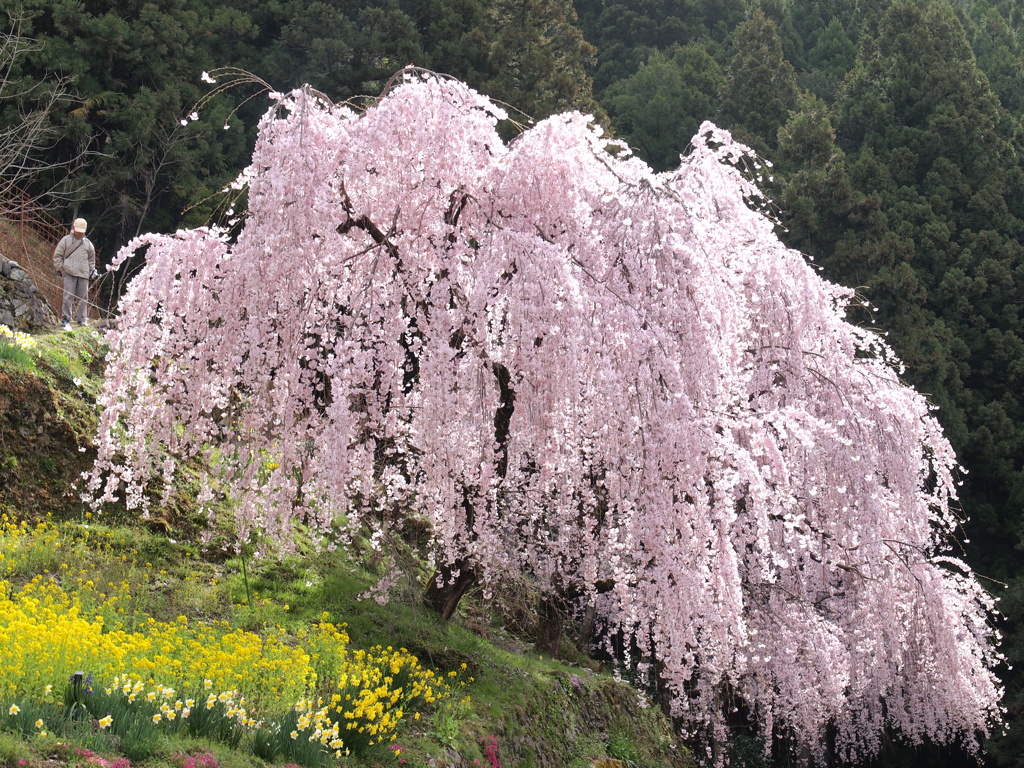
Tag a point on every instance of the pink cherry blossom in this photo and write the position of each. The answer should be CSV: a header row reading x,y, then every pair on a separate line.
x,y
578,370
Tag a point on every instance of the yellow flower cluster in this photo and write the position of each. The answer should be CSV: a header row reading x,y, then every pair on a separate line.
x,y
316,725
22,545
16,338
375,689
57,624
100,566
372,692
46,634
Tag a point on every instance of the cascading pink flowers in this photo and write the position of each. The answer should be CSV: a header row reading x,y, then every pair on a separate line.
x,y
579,370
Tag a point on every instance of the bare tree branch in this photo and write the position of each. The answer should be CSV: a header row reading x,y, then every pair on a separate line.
x,y
29,133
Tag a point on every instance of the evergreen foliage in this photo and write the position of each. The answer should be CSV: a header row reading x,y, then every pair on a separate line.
x,y
661,106
933,233
760,89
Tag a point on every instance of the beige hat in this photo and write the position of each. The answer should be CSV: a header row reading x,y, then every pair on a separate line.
x,y
79,225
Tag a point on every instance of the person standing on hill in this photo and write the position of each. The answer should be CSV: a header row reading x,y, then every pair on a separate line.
x,y
74,258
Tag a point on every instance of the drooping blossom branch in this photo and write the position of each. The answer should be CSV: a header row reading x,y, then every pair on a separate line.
x,y
578,370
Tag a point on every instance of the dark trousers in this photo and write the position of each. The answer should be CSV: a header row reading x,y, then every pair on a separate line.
x,y
75,289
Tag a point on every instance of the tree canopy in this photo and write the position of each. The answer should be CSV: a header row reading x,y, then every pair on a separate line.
x,y
579,370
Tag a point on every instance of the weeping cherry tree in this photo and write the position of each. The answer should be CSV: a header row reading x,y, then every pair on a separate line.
x,y
582,373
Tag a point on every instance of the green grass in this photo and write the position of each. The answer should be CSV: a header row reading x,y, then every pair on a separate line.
x,y
14,750
65,357
13,356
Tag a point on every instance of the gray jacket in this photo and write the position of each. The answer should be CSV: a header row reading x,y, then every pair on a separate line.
x,y
74,256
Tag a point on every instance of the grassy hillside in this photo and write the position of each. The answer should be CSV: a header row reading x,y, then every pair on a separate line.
x,y
144,608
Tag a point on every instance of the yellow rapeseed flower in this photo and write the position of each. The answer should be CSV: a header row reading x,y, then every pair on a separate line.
x,y
373,689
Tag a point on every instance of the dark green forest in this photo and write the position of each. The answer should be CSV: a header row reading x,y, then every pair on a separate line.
x,y
894,126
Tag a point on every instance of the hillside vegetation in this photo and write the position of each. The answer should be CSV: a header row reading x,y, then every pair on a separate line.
x,y
152,609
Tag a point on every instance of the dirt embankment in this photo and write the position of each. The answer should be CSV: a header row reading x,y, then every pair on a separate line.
x,y
47,422
39,457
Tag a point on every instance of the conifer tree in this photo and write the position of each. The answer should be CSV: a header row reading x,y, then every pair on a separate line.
x,y
659,108
760,88
927,139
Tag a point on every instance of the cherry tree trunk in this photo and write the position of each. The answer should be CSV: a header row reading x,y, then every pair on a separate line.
x,y
551,614
445,598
